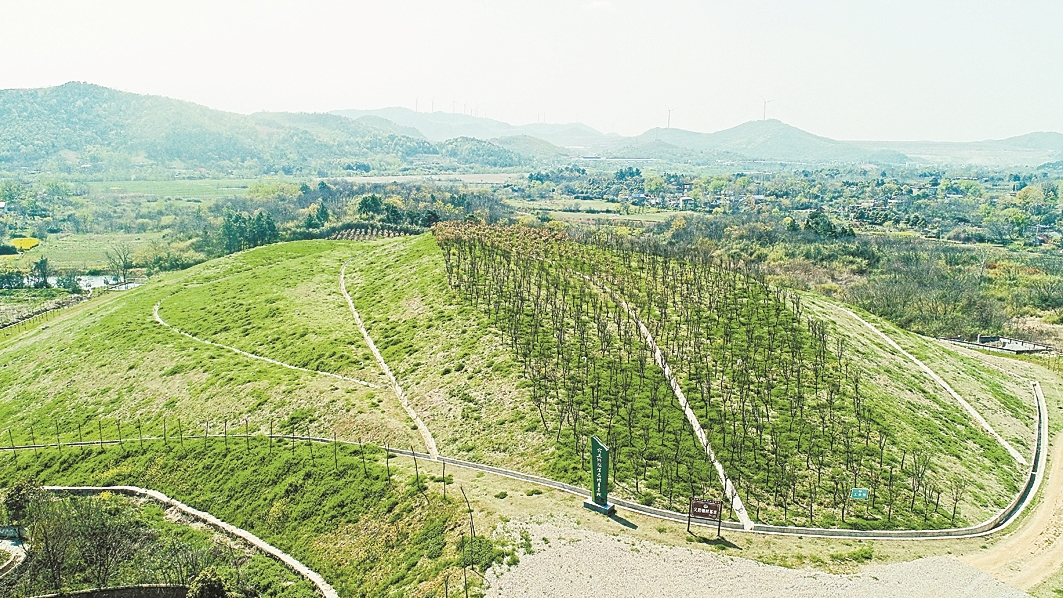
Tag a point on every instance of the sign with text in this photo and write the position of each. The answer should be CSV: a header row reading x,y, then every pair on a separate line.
x,y
706,509
859,494
600,479
600,471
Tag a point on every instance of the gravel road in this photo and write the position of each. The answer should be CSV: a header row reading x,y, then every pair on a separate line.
x,y
578,563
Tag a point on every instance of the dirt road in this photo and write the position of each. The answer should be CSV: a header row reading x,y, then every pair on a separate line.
x,y
1033,552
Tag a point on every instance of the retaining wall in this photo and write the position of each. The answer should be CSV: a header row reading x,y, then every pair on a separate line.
x,y
148,591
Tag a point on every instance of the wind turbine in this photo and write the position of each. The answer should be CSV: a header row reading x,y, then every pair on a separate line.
x,y
764,114
669,118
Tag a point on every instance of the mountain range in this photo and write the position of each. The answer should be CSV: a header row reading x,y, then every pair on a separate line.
x,y
79,127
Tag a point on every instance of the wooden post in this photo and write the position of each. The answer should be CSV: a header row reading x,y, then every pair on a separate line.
x,y
58,444
33,442
464,572
81,439
310,443
387,461
271,436
181,432
361,451
99,422
14,451
472,527
247,436
206,432
119,422
688,515
164,431
444,477
140,431
225,434
416,472
293,440
335,453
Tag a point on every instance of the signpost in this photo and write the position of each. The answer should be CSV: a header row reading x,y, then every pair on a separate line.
x,y
600,483
859,494
701,508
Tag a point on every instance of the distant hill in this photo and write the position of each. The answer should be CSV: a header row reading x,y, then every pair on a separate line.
x,y
1030,149
771,140
79,127
440,126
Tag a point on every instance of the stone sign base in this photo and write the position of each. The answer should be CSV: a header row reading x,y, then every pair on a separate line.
x,y
605,509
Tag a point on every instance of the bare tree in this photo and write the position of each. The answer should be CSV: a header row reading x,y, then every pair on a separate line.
x,y
120,261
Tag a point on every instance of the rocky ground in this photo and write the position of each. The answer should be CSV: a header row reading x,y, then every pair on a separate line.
x,y
571,562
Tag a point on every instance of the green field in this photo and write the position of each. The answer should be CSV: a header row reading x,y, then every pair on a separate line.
x,y
83,252
185,189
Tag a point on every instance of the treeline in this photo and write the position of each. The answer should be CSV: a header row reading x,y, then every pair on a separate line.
x,y
931,287
785,407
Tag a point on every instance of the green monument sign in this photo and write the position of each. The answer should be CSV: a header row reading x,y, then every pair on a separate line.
x,y
600,478
859,494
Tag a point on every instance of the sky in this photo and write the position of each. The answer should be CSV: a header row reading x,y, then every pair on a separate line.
x,y
898,70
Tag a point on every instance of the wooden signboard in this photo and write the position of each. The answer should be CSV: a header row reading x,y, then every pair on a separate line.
x,y
701,508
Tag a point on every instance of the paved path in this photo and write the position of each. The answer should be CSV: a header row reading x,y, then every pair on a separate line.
x,y
426,434
16,552
159,319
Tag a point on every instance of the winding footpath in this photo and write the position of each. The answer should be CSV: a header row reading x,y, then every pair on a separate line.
x,y
426,434
945,385
159,319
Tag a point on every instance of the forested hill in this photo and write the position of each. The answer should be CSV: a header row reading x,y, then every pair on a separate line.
x,y
88,129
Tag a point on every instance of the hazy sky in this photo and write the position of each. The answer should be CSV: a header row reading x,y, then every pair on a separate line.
x,y
901,69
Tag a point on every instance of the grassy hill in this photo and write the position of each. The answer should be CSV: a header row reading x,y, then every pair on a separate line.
x,y
469,378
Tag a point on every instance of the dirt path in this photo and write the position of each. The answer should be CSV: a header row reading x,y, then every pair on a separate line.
x,y
159,319
1034,552
577,562
426,434
945,385
16,552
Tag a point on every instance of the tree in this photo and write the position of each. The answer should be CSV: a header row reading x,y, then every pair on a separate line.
x,y
120,261
40,272
52,536
820,224
108,534
207,584
18,499
370,205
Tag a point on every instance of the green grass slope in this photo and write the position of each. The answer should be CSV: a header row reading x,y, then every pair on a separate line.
x,y
108,360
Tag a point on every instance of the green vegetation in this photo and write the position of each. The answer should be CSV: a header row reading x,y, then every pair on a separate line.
x,y
796,417
367,532
76,542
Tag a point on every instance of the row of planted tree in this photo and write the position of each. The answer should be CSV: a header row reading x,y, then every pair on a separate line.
x,y
777,393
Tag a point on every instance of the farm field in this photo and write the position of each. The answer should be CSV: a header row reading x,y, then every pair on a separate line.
x,y
185,189
83,252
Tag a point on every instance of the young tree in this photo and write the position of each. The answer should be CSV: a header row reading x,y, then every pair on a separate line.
x,y
108,534
40,271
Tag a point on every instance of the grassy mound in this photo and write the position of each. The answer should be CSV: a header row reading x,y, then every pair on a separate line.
x,y
466,369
